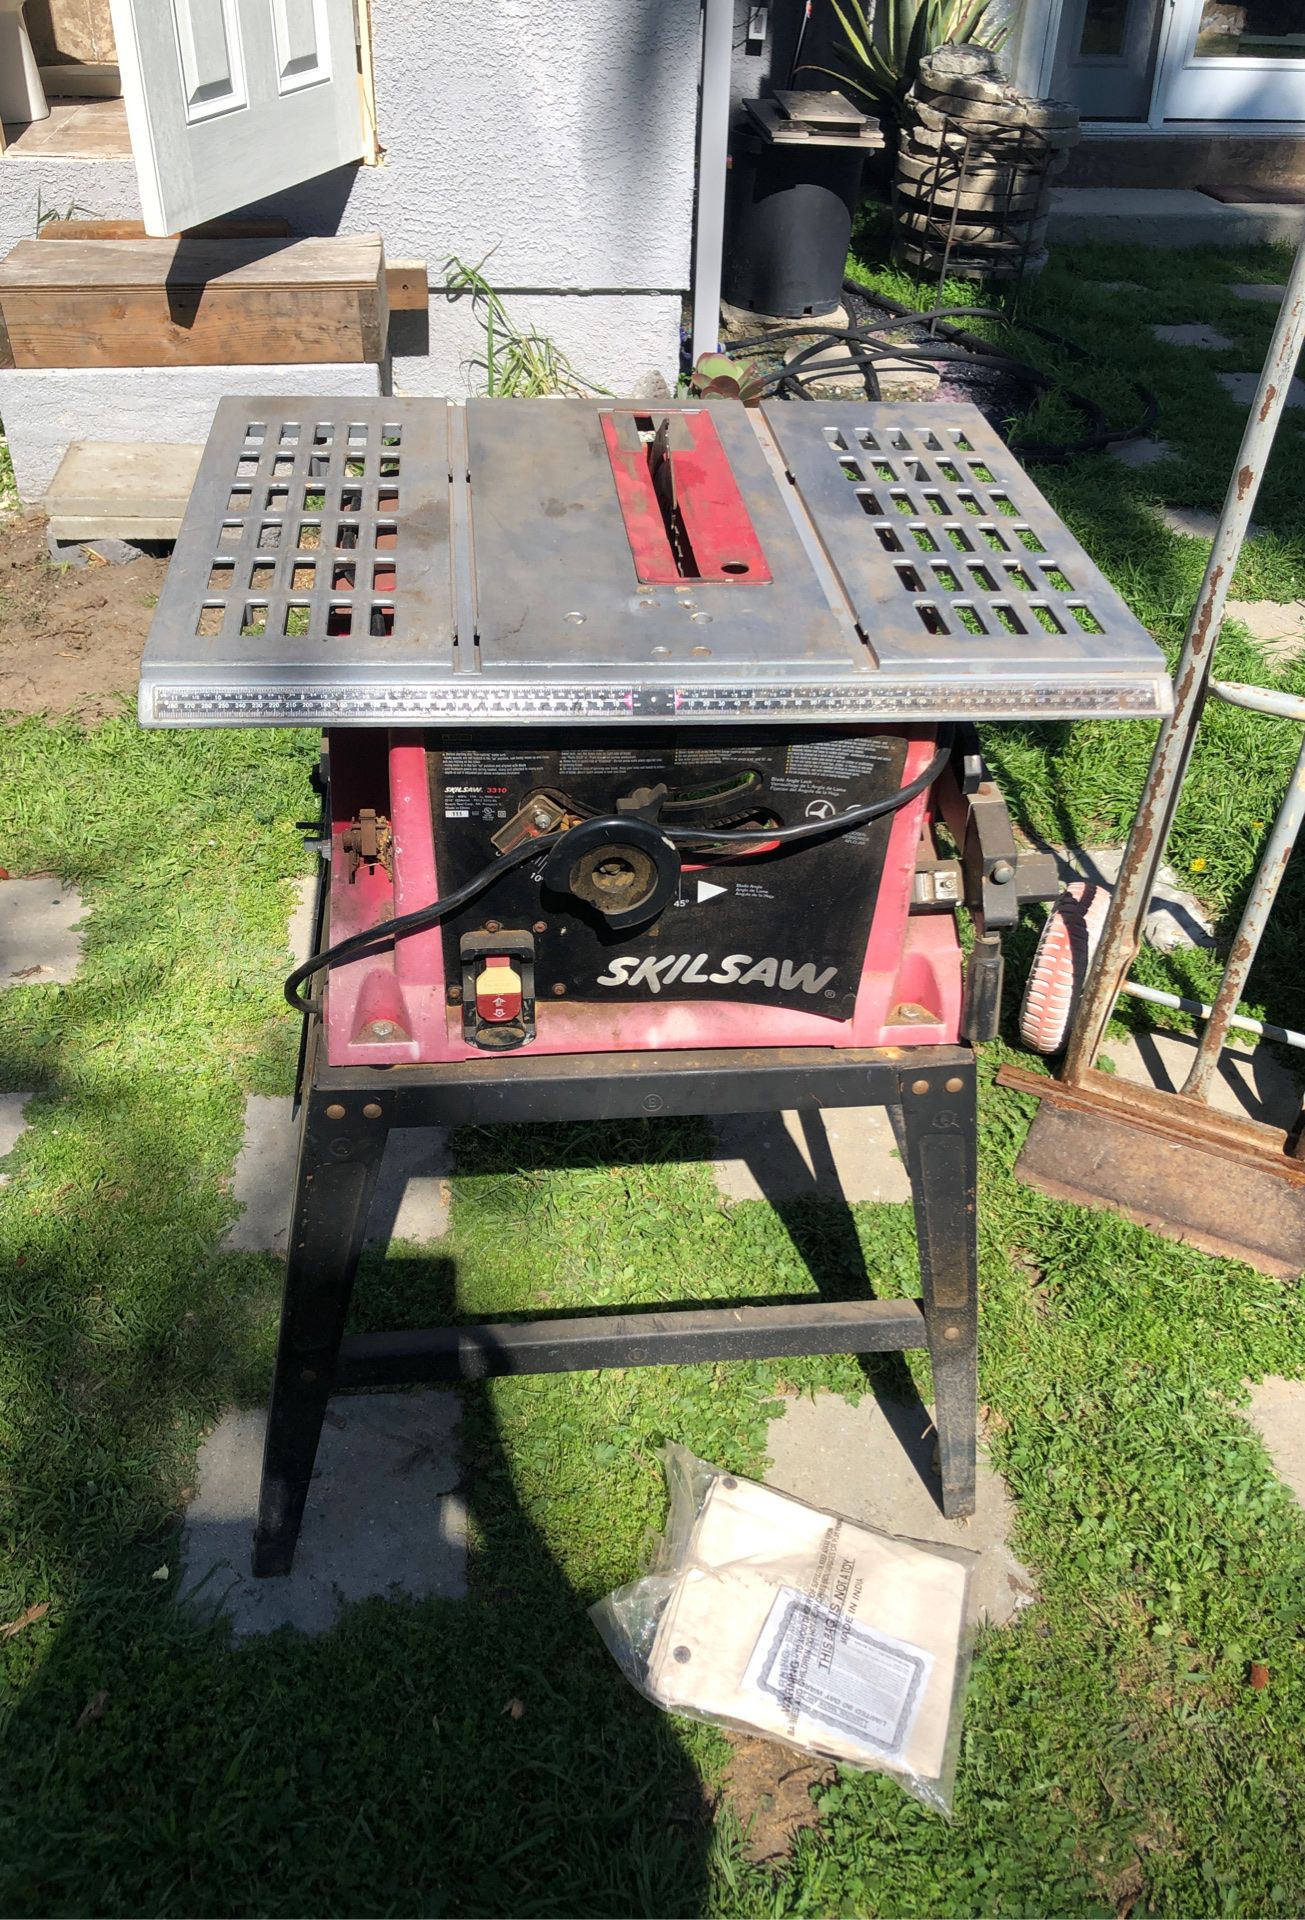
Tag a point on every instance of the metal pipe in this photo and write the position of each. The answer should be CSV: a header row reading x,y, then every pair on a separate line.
x,y
1283,706
713,159
1246,942
1130,903
1263,1029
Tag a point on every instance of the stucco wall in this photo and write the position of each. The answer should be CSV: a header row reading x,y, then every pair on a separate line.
x,y
46,410
100,189
625,342
556,138
557,135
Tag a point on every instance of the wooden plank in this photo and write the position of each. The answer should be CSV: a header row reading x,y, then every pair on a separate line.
x,y
374,320
135,230
116,265
407,284
194,302
237,328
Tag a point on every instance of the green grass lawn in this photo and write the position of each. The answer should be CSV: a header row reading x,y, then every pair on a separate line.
x,y
1115,1759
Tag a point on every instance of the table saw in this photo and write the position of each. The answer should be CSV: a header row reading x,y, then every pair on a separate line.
x,y
650,787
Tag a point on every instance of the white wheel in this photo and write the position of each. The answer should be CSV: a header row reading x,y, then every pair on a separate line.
x,y
1060,965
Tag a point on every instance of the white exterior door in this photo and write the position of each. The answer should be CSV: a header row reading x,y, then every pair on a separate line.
x,y
1234,60
1105,52
230,100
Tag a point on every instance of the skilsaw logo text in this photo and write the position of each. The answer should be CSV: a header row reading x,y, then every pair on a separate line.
x,y
736,969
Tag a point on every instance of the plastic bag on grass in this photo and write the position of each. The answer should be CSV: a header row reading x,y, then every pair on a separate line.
x,y
764,1614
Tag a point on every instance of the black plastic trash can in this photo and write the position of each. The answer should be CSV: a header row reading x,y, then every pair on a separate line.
x,y
795,179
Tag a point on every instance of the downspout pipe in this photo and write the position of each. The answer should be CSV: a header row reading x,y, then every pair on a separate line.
x,y
713,160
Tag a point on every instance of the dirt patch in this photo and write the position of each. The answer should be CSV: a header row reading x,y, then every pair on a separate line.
x,y
70,637
769,1788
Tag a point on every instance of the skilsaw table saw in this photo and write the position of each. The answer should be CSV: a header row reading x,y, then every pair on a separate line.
x,y
638,723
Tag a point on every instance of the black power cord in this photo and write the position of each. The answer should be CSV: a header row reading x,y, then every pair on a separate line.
x,y
372,937
948,345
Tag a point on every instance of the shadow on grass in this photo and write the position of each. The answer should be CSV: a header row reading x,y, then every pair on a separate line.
x,y
153,1768
800,1192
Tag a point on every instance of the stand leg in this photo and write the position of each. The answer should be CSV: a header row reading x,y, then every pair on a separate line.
x,y
939,1110
341,1142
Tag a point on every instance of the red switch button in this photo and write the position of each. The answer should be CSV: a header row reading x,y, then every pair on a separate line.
x,y
498,989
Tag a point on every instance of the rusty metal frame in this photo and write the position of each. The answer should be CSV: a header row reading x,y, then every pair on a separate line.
x,y
1163,1158
1122,935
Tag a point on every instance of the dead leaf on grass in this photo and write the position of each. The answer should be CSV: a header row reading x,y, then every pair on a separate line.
x,y
516,1708
769,1788
1127,1889
28,1617
93,1710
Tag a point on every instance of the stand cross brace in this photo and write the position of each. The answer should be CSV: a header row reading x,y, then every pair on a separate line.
x,y
346,1114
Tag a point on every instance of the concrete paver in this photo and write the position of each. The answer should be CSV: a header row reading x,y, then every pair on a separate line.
x,y
1140,453
39,941
1276,627
1277,1412
1242,388
1197,523
1177,918
1266,290
1166,217
411,1200
264,1176
1250,1081
384,1516
846,1153
875,1463
12,1124
299,932
1192,333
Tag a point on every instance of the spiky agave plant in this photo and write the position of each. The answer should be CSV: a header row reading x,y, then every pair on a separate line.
x,y
889,62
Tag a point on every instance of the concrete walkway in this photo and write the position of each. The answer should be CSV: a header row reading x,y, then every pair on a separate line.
x,y
384,1517
875,1463
1277,1412
12,1125
412,1193
848,1153
40,932
1277,627
1166,217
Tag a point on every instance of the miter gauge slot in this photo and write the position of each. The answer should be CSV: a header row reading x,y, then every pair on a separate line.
x,y
466,624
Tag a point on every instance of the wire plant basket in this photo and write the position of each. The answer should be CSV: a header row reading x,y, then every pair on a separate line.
x,y
972,187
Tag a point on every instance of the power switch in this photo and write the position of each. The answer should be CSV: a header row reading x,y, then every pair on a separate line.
x,y
498,989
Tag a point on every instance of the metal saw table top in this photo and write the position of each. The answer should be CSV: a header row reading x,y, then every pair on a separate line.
x,y
392,562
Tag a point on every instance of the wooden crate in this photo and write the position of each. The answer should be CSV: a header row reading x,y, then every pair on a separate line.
x,y
194,302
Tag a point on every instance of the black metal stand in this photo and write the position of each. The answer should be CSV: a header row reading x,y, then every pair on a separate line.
x,y
347,1113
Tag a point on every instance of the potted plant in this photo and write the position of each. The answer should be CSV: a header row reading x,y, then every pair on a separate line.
x,y
972,155
882,63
